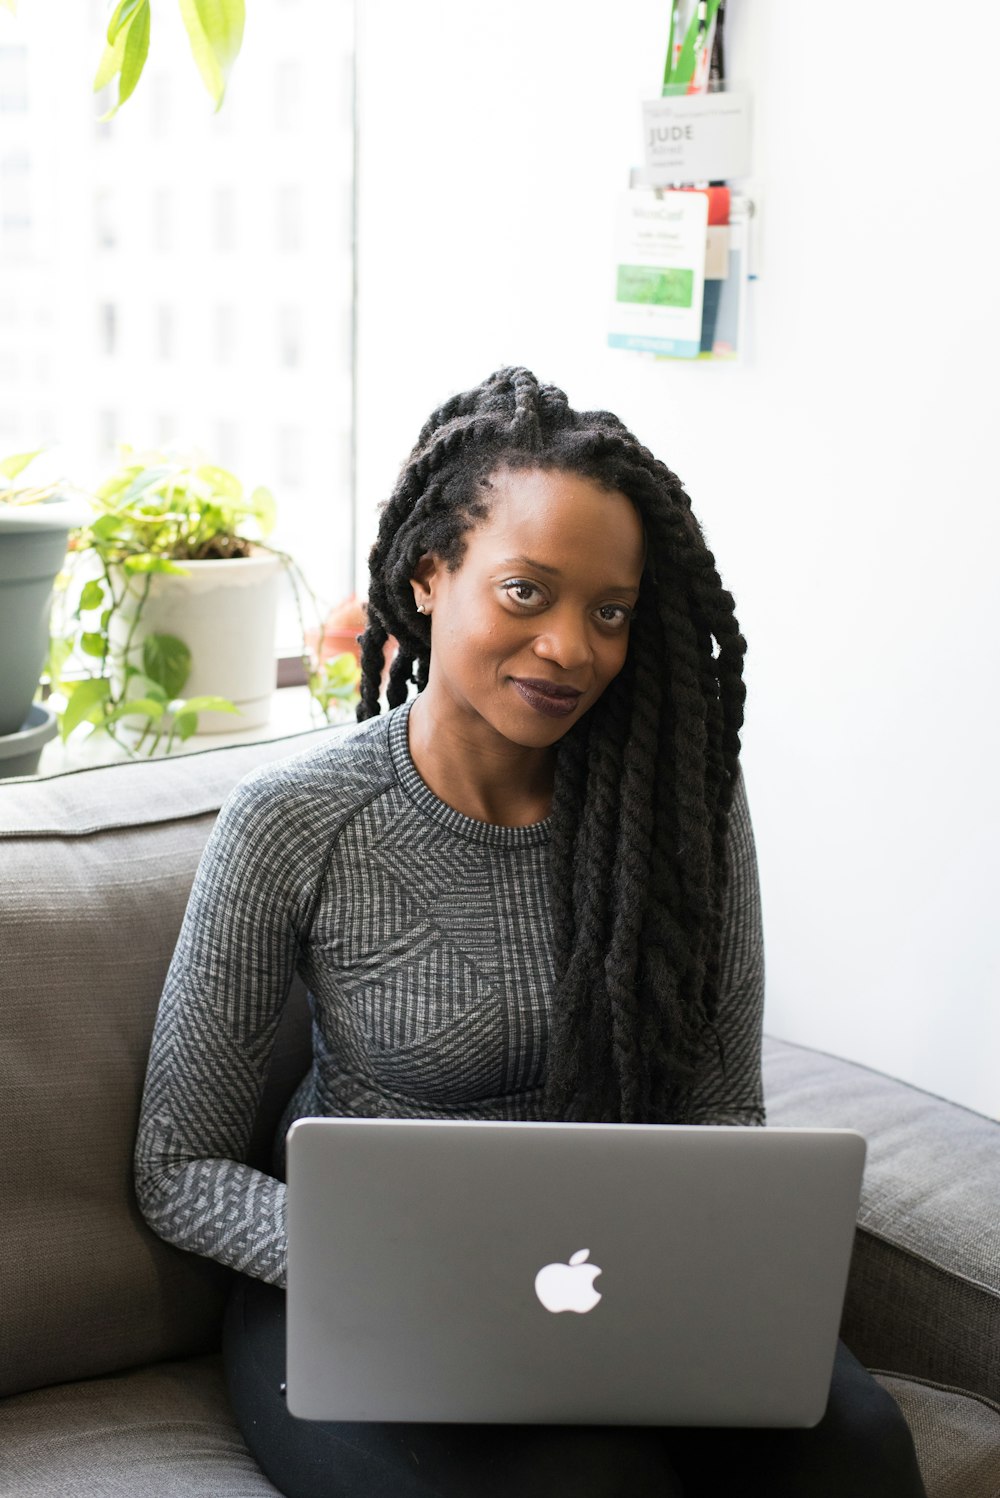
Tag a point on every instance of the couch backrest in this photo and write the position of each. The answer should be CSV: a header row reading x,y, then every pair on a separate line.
x,y
95,870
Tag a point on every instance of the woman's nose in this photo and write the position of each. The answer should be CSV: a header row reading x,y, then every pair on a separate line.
x,y
564,641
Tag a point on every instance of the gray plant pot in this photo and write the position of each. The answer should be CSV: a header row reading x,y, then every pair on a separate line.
x,y
32,548
20,751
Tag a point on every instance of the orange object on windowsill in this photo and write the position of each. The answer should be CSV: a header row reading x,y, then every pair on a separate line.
x,y
343,624
341,628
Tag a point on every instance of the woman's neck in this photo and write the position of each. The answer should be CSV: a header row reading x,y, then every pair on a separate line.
x,y
474,770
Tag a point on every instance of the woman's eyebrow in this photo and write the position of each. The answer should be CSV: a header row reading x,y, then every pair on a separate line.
x,y
527,562
555,572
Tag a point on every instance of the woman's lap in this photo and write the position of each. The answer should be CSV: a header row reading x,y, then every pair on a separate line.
x,y
861,1447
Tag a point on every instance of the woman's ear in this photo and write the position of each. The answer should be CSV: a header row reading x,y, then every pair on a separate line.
x,y
422,583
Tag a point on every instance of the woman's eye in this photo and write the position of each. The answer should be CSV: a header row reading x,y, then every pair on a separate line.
x,y
523,592
615,614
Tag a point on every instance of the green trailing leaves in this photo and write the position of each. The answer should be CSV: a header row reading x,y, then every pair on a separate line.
x,y
215,31
136,52
92,596
126,50
146,562
157,513
110,64
220,481
137,707
336,681
94,644
121,18
205,705
167,661
12,467
86,704
263,508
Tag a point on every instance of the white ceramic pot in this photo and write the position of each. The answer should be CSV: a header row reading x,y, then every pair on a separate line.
x,y
225,612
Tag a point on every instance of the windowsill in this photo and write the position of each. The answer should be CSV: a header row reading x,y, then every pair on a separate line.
x,y
292,711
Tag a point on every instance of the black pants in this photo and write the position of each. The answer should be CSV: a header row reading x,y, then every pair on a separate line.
x,y
861,1448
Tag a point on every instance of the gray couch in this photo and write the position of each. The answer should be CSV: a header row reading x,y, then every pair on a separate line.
x,y
109,1364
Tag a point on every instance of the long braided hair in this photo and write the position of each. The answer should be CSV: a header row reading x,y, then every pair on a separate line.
x,y
644,781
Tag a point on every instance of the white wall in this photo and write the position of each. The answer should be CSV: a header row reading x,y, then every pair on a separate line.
x,y
845,475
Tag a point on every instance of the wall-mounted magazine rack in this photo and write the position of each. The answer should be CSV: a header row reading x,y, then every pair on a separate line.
x,y
686,240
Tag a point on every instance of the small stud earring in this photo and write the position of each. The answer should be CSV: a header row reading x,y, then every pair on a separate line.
x,y
421,609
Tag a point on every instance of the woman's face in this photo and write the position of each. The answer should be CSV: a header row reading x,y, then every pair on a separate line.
x,y
533,625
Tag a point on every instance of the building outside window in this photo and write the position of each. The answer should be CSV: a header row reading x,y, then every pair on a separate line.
x,y
176,318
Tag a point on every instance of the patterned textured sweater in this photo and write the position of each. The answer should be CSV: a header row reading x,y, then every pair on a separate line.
x,y
424,939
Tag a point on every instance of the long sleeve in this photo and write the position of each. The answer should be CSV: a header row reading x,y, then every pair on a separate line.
x,y
732,1093
225,990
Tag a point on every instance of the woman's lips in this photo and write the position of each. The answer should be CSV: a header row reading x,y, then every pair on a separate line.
x,y
553,702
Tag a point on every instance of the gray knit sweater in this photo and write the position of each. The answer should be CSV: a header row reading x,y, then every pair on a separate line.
x,y
424,939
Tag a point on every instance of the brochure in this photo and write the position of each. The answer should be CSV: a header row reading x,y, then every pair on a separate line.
x,y
660,272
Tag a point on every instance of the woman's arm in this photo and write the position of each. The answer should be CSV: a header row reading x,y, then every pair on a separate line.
x,y
731,1091
215,1028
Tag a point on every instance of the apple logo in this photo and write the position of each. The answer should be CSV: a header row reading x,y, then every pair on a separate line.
x,y
568,1287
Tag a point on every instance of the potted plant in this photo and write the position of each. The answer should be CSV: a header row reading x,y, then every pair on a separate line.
x,y
174,593
35,521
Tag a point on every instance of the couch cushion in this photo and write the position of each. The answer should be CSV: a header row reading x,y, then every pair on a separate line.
x,y
168,1432
924,1291
956,1435
162,1432
95,870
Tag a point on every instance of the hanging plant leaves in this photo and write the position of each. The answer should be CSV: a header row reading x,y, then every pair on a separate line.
x,y
263,506
86,704
137,707
146,562
215,31
167,661
14,466
126,51
94,643
92,596
205,705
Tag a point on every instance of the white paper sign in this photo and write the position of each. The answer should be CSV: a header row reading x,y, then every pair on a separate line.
x,y
660,272
696,138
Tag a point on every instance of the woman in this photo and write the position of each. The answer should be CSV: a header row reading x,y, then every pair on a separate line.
x,y
529,891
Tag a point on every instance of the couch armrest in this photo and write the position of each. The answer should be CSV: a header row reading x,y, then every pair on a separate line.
x,y
924,1291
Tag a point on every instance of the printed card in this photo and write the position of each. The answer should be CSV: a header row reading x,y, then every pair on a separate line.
x,y
660,272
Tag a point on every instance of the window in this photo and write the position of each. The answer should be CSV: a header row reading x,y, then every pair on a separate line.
x,y
287,90
224,219
104,224
108,328
107,434
225,333
166,329
205,302
289,455
13,80
159,104
289,219
15,204
162,220
289,337
226,444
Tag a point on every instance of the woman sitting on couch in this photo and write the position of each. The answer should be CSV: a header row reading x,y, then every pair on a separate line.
x,y
565,788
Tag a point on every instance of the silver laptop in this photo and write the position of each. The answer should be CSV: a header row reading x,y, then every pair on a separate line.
x,y
566,1273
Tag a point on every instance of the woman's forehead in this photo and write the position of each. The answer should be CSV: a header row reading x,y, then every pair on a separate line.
x,y
552,517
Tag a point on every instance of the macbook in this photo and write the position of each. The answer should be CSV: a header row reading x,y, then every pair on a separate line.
x,y
452,1270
